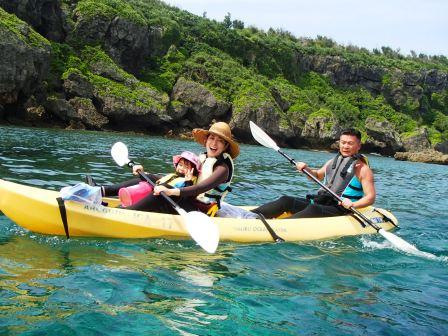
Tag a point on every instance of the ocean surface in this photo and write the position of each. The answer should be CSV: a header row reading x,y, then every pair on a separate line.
x,y
347,286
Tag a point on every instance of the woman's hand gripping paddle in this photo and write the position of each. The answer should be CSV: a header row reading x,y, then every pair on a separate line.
x,y
199,225
396,241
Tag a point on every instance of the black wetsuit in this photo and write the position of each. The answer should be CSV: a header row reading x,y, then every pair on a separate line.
x,y
300,208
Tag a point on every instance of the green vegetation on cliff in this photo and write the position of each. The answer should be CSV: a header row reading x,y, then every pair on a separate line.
x,y
21,30
108,79
272,71
229,59
109,9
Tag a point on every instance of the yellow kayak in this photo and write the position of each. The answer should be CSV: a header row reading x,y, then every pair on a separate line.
x,y
37,210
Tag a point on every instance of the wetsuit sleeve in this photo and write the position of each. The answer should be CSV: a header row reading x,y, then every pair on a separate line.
x,y
188,183
154,177
219,175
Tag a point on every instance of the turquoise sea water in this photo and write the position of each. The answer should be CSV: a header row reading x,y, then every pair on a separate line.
x,y
347,286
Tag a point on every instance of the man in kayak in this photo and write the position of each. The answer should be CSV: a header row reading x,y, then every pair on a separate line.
x,y
348,175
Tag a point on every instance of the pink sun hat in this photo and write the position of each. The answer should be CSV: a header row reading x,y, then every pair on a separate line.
x,y
193,158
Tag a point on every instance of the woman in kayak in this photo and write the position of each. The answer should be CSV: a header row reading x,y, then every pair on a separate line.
x,y
216,171
213,181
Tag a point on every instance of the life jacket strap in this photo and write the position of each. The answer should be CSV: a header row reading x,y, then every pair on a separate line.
x,y
228,189
335,160
63,213
352,197
348,164
355,187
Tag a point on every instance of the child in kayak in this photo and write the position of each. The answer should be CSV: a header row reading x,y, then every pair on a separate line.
x,y
136,191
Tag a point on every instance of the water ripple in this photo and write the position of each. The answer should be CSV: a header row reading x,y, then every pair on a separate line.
x,y
349,286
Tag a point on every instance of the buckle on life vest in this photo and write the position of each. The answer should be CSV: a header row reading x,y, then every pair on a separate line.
x,y
208,208
211,212
284,215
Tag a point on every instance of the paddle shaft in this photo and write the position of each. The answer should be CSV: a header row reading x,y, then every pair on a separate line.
x,y
336,196
147,179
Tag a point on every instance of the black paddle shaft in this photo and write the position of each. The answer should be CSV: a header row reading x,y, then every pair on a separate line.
x,y
147,179
336,196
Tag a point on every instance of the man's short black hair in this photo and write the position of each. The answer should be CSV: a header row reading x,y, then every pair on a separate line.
x,y
352,132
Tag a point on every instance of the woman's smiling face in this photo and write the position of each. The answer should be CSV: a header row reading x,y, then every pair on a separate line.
x,y
215,145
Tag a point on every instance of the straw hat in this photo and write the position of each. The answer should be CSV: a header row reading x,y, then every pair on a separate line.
x,y
222,130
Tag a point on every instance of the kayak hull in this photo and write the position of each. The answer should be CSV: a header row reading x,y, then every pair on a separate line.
x,y
37,210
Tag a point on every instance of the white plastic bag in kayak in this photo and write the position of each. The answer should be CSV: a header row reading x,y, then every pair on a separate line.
x,y
231,211
82,193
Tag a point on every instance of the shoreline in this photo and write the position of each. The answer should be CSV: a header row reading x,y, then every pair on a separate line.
x,y
428,156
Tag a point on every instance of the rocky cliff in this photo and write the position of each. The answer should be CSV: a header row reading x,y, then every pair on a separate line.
x,y
129,65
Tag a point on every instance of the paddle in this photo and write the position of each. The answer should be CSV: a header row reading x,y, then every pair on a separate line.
x,y
199,225
266,141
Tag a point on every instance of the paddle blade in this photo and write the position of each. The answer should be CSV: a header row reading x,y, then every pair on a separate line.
x,y
398,242
119,153
201,229
261,137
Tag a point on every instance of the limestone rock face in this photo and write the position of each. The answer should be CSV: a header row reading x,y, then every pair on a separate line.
x,y
123,92
87,113
265,114
201,105
321,131
348,74
341,72
429,156
24,60
383,137
129,43
126,115
76,85
112,99
45,16
34,112
442,147
77,113
60,108
417,142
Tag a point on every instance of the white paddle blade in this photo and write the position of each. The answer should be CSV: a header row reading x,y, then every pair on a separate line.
x,y
202,230
261,137
119,153
398,242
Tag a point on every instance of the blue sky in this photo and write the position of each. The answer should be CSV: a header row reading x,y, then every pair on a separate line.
x,y
419,25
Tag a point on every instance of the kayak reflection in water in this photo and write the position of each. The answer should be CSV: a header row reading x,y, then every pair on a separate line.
x,y
348,175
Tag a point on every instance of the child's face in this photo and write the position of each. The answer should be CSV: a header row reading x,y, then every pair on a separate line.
x,y
183,166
